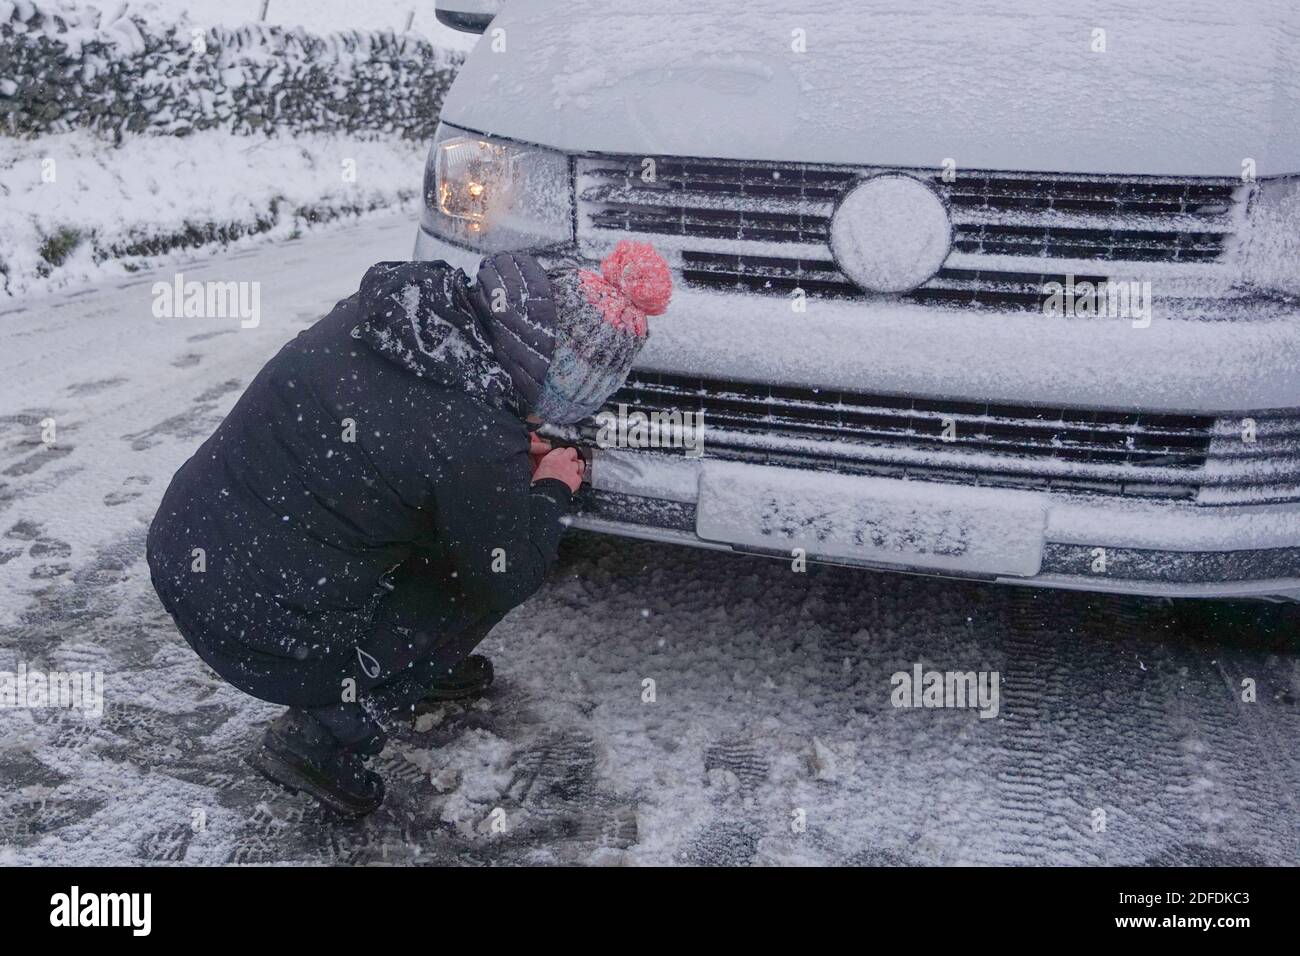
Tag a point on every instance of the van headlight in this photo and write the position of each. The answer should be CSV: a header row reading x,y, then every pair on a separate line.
x,y
1273,253
495,195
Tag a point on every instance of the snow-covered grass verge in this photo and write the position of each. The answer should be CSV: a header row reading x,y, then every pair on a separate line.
x,y
78,209
137,133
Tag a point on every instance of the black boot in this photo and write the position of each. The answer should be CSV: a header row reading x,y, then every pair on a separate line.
x,y
301,755
468,677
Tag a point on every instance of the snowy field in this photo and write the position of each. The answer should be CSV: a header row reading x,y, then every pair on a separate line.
x,y
773,688
316,16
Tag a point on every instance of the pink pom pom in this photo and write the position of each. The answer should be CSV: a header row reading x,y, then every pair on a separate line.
x,y
641,274
616,308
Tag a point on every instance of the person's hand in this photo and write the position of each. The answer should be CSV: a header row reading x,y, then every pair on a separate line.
x,y
537,450
564,464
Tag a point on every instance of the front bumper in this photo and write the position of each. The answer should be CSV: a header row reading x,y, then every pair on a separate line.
x,y
1151,547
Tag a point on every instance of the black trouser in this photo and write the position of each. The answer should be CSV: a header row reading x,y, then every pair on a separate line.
x,y
401,659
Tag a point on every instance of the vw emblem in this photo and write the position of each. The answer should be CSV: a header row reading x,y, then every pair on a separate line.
x,y
891,233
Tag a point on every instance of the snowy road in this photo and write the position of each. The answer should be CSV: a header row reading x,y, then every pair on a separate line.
x,y
772,688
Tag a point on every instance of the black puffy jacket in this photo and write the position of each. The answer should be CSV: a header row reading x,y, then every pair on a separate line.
x,y
389,430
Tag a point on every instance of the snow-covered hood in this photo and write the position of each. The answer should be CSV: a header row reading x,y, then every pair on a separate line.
x,y
1176,87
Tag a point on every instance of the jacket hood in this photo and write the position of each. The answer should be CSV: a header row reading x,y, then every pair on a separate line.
x,y
1158,87
515,303
419,316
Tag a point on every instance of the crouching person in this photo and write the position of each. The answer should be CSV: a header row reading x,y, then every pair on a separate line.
x,y
376,500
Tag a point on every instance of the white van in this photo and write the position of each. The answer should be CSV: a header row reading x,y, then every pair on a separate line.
x,y
1008,292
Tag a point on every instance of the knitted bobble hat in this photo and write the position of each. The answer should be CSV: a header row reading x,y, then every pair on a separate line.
x,y
601,325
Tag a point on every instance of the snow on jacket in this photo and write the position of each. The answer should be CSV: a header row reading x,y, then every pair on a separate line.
x,y
387,431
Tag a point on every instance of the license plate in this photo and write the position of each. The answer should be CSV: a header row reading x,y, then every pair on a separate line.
x,y
872,520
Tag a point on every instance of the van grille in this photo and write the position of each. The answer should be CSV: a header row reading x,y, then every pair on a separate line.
x,y
1150,455
727,221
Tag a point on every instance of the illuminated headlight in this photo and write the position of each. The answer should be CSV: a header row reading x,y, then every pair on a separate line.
x,y
495,195
1273,253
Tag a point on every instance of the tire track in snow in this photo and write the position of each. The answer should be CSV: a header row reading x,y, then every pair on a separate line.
x,y
1037,754
1091,750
